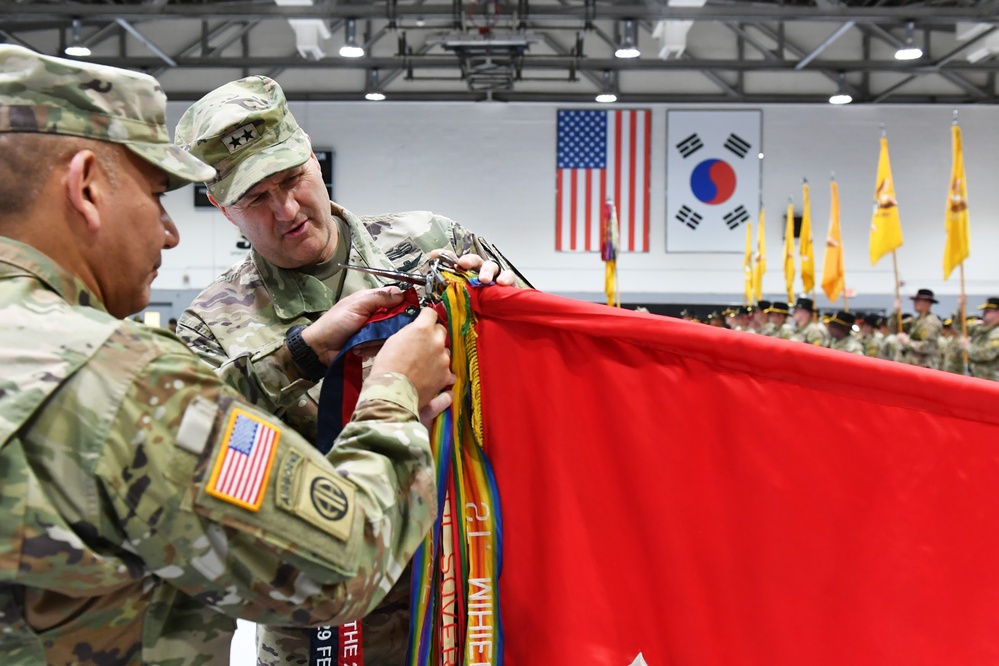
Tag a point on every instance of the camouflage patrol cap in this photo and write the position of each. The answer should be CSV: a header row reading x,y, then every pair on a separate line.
x,y
245,130
42,94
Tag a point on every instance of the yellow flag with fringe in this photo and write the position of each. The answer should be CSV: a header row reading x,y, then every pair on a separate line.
x,y
886,227
958,245
789,252
609,245
833,275
760,260
805,246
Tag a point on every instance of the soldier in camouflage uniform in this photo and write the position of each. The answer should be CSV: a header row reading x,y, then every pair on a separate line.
x,y
780,327
870,337
951,354
806,330
716,319
145,504
840,328
889,349
270,186
982,342
759,321
919,344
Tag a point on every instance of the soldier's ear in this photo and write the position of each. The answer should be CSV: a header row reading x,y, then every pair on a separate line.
x,y
84,184
225,211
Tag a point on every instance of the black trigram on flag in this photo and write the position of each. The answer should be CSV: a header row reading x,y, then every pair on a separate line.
x,y
736,217
687,216
690,145
737,144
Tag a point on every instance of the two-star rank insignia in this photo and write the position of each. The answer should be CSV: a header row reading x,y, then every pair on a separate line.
x,y
241,138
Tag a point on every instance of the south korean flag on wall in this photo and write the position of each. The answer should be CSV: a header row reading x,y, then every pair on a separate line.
x,y
712,179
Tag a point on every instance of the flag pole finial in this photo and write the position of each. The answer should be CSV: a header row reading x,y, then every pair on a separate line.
x,y
832,175
954,121
804,181
884,130
790,200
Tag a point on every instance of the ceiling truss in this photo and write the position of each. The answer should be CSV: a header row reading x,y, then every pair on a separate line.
x,y
778,51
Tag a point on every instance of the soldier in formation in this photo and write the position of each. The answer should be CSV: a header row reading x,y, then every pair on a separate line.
x,y
759,320
919,343
951,353
982,342
806,329
840,327
870,336
778,313
922,339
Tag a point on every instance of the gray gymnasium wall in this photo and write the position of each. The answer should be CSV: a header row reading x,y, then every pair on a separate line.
x,y
491,167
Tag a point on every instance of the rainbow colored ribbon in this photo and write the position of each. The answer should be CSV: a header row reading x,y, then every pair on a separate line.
x,y
455,611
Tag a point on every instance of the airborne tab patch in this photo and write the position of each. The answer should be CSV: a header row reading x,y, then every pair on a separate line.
x,y
315,495
243,463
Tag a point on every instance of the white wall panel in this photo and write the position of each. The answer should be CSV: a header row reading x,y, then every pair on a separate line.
x,y
491,167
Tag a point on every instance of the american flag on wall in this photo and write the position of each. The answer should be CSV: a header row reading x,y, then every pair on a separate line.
x,y
243,464
602,155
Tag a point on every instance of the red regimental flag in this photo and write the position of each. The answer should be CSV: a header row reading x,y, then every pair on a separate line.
x,y
678,522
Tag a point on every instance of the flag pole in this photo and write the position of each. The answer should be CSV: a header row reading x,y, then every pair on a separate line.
x,y
898,295
894,261
804,181
846,303
962,312
963,315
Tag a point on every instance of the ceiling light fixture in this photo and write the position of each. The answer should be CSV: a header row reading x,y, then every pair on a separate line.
x,y
841,96
909,51
607,95
76,48
374,94
628,47
350,49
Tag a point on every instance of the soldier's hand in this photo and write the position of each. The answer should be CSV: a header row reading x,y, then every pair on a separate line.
x,y
898,305
418,351
488,271
962,300
903,338
964,342
329,333
437,404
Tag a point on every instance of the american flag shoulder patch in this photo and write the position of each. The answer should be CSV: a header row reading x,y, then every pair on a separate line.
x,y
243,463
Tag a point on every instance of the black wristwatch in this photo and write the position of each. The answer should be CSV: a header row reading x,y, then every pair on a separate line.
x,y
303,355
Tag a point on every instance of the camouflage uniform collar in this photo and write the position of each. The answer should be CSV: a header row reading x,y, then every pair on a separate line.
x,y
294,293
17,255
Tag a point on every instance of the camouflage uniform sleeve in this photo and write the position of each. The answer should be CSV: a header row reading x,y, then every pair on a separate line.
x,y
267,376
928,334
328,535
816,335
466,242
984,348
